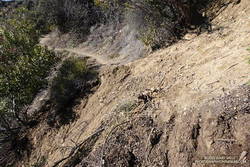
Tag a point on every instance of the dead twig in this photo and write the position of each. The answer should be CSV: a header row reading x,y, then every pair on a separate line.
x,y
74,149
232,66
112,131
147,145
108,137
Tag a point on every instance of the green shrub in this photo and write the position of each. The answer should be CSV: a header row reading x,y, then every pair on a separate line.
x,y
112,11
75,16
163,22
24,66
73,80
159,23
64,86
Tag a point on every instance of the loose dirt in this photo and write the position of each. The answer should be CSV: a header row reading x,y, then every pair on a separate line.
x,y
184,106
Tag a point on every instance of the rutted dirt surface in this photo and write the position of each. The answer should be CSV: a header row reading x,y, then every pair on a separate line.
x,y
182,106
219,129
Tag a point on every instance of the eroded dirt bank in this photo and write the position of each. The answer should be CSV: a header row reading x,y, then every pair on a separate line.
x,y
179,105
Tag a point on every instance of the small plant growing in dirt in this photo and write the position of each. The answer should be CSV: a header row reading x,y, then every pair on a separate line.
x,y
113,56
127,107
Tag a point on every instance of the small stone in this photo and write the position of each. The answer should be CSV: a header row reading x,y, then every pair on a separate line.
x,y
243,155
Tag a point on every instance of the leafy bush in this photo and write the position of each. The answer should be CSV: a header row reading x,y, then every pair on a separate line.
x,y
24,66
69,15
112,11
66,83
164,22
159,22
74,79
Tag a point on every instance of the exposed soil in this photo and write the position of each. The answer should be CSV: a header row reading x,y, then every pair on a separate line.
x,y
186,105
216,131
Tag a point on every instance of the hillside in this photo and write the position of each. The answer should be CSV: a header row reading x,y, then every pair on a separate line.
x,y
174,107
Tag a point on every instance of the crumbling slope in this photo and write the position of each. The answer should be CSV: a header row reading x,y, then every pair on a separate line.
x,y
173,108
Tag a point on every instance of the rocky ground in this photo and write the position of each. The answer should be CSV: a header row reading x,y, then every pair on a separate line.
x,y
186,105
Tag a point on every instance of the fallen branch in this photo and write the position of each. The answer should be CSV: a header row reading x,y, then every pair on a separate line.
x,y
76,148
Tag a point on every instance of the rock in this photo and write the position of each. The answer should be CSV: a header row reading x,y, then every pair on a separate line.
x,y
243,156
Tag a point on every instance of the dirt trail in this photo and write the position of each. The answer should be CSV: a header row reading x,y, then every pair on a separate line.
x,y
82,53
178,105
103,59
76,51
